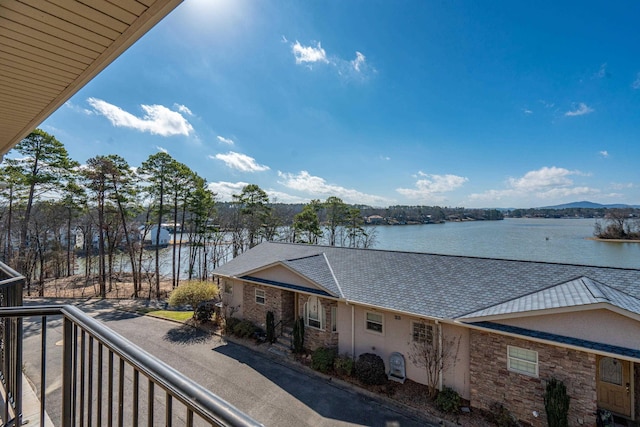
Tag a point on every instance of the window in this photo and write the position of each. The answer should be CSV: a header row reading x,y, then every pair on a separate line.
x,y
374,322
421,332
334,318
228,287
611,370
260,296
314,315
522,361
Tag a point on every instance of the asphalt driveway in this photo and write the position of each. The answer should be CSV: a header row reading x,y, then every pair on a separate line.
x,y
273,393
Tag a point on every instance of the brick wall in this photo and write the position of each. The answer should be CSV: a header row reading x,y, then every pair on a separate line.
x,y
491,382
314,338
279,301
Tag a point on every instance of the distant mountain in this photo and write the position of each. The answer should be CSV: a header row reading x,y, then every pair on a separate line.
x,y
586,204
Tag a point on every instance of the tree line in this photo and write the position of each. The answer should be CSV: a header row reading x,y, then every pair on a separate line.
x,y
49,203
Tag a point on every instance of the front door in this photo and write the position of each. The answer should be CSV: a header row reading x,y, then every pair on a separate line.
x,y
614,385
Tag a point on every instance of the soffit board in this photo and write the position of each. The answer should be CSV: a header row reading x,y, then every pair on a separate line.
x,y
50,49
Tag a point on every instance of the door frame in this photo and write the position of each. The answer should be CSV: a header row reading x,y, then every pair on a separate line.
x,y
631,385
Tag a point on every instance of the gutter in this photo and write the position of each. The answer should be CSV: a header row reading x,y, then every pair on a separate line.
x,y
440,373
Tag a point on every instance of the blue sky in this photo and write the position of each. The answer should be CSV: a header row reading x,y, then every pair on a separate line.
x,y
466,103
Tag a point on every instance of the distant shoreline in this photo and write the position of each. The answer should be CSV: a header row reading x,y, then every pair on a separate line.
x,y
614,240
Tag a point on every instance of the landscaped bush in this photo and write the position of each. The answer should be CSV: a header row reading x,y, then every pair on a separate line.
x,y
370,369
322,359
229,324
204,311
244,329
500,416
271,328
193,293
556,403
298,335
448,400
343,365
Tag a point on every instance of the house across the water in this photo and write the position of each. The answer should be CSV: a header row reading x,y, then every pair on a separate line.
x,y
517,324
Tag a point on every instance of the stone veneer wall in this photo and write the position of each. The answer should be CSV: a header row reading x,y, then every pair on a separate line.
x,y
492,383
279,301
315,338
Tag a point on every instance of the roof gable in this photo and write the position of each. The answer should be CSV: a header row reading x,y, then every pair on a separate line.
x,y
436,286
581,292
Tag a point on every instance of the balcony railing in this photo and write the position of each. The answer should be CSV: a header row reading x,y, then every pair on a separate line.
x,y
106,379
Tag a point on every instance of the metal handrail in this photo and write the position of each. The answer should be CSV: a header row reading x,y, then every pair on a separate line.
x,y
210,407
11,287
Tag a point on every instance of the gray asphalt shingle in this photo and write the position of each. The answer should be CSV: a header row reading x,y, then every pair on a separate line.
x,y
442,286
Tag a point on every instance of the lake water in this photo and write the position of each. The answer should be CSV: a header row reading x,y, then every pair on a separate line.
x,y
535,239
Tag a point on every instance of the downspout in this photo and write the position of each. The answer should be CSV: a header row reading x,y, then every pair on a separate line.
x,y
439,326
353,331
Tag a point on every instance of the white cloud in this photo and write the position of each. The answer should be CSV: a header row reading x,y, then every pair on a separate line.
x,y
604,153
527,111
580,110
602,72
545,183
240,161
311,54
280,197
622,185
183,109
636,82
359,62
158,119
317,187
542,178
430,187
385,157
164,150
357,69
224,190
225,140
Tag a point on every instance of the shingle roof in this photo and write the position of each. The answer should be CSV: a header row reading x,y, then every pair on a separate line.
x,y
578,292
442,286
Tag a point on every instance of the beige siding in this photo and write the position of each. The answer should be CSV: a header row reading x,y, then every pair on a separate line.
x,y
593,325
396,337
282,274
233,301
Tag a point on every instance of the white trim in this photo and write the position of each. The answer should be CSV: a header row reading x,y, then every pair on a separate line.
x,y
315,303
367,322
263,296
516,362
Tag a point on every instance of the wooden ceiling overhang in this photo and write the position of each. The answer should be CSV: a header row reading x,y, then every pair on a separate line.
x,y
49,49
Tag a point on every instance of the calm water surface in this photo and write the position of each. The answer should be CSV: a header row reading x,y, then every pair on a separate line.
x,y
550,240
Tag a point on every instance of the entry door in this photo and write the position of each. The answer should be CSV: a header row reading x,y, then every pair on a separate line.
x,y
614,385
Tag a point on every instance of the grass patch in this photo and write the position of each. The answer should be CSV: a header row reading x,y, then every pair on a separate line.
x,y
180,316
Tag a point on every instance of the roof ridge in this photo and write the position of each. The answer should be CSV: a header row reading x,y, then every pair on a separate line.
x,y
333,275
526,261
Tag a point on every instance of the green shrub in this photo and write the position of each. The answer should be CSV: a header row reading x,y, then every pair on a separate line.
x,y
244,329
193,293
343,365
448,400
500,416
204,311
556,404
322,359
298,335
370,369
229,324
271,328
